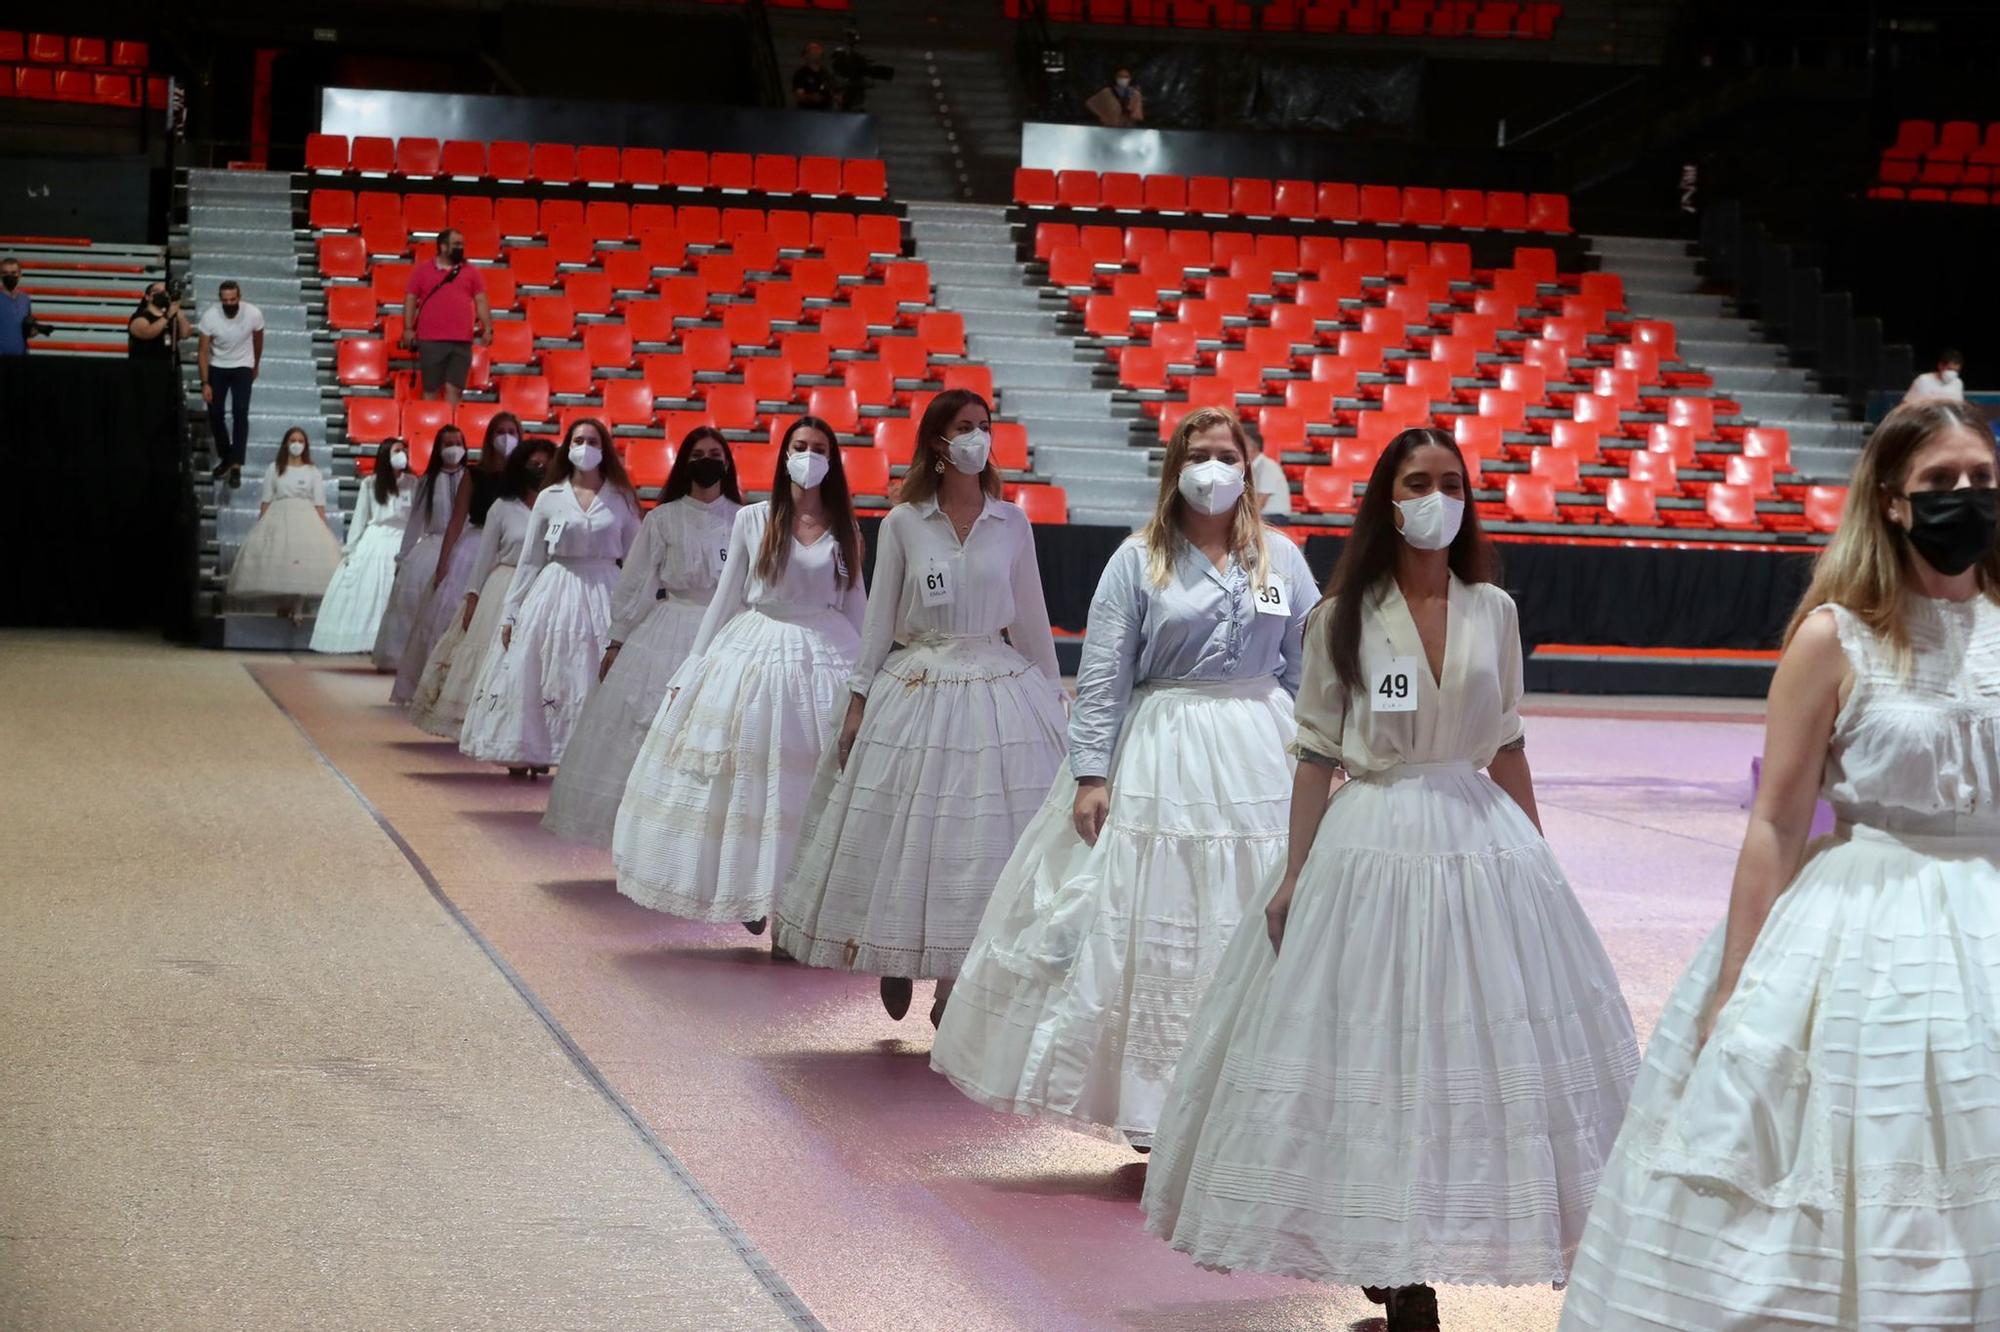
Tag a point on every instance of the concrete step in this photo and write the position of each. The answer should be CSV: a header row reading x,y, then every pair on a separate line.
x,y
1011,375
1639,245
1771,407
963,240
278,312
1090,405
1688,305
982,273
1134,515
213,267
943,211
1027,326
1693,329
1011,302
240,241
267,427
1731,353
1123,464
1737,380
1043,349
1081,432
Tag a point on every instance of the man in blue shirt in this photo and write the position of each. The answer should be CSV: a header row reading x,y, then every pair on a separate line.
x,y
17,312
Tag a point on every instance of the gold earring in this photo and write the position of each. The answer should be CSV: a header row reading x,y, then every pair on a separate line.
x,y
938,467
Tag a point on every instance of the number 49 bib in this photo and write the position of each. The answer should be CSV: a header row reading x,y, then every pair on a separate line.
x,y
1394,687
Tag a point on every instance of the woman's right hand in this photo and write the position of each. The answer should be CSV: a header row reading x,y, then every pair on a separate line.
x,y
1092,808
506,637
471,605
1278,911
850,727
1705,1025
610,656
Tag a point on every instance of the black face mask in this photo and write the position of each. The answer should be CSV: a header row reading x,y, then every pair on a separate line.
x,y
456,254
11,281
158,300
707,471
536,472
229,310
1953,529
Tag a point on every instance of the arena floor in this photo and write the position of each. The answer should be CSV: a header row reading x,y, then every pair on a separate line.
x,y
311,1024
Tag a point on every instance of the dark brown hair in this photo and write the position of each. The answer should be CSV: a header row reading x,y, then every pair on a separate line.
x,y
680,482
384,477
285,453
921,482
610,464
489,457
436,464
776,550
515,481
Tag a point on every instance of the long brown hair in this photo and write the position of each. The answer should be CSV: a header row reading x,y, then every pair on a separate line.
x,y
435,468
384,478
926,472
610,464
1374,543
1162,533
680,482
776,552
490,460
285,451
1865,567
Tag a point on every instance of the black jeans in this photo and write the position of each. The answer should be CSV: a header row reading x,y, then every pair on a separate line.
x,y
230,385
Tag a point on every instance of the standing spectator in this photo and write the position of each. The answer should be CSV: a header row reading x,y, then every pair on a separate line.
x,y
1268,479
232,349
156,325
1942,383
17,311
1119,104
812,87
444,309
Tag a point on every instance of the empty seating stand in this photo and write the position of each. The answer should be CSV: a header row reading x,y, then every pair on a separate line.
x,y
1401,19
1956,162
88,70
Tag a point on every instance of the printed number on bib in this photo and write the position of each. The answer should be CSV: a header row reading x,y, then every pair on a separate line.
x,y
1394,687
937,585
555,535
1271,599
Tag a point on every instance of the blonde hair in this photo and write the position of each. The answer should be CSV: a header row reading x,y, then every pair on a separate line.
x,y
1865,567
1162,533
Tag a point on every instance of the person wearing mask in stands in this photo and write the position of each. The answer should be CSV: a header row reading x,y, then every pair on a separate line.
x,y
156,325
1267,478
17,310
812,86
1942,383
444,311
232,348
1118,105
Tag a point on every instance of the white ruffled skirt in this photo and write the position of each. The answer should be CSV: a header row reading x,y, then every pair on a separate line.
x,y
406,599
1831,1159
290,552
583,802
445,692
711,813
902,847
529,694
350,614
443,607
1424,1083
1075,999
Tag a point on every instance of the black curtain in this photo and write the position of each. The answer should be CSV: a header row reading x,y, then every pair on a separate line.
x,y
106,532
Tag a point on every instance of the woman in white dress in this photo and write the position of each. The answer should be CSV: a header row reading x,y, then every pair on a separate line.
x,y
1815,1138
423,544
557,615
1412,1069
439,708
712,810
438,632
656,611
291,554
1117,904
351,612
948,742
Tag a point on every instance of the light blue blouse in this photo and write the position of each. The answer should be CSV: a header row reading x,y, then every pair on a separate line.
x,y
1203,625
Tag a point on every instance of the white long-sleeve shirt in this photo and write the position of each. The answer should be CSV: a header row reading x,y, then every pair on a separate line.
x,y
1931,386
810,583
500,539
433,518
992,579
681,550
393,515
560,529
1274,492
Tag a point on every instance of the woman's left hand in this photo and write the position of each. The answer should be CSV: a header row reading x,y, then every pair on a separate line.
x,y
1705,1026
506,636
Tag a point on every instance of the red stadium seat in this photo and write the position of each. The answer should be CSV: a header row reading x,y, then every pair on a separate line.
x,y
1035,187
649,460
1532,499
1658,470
1251,198
1507,211
819,176
1423,206
130,55
372,420
326,152
1329,490
1526,380
838,407
1166,194
668,376
1698,414
628,402
372,155
1505,407
342,257
732,406
1477,436
882,233
896,437
733,172
513,342
422,421
351,307
1382,204
1338,201
331,210
1823,506
769,378
361,362
776,173
1771,443
417,157
1431,377
1594,410
1582,438
1208,194
864,178
462,159
685,169
1464,208
1752,474
1632,502
1043,504
1657,334
551,316
1548,212
1732,507
1559,466
1076,189
609,346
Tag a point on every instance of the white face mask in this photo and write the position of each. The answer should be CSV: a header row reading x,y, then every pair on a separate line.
x,y
968,452
807,469
297,448
453,454
1948,376
585,457
1431,522
1213,486
400,461
504,444
1124,83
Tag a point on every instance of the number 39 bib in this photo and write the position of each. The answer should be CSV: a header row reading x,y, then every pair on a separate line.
x,y
1394,687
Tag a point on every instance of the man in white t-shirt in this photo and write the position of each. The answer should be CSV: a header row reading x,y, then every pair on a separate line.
x,y
232,347
1940,383
1274,489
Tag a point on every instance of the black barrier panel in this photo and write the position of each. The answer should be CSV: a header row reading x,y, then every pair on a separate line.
x,y
723,129
98,198
1275,157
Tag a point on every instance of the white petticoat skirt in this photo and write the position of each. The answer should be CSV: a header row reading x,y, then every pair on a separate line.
x,y
351,612
406,598
443,607
290,552
712,810
1075,1000
1832,1157
902,847
528,695
1424,1083
583,802
445,692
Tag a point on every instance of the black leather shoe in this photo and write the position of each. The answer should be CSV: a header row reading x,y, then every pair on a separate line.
x,y
756,926
896,996
1413,1309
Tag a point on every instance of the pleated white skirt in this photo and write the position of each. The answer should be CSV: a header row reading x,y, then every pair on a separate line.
x,y
529,694
1424,1083
438,707
290,552
902,847
350,614
712,810
406,599
442,608
1831,1159
583,802
1075,999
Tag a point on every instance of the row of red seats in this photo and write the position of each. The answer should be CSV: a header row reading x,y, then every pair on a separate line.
x,y
1954,141
1574,461
1933,194
1535,19
48,48
43,83
1932,163
1296,200
512,161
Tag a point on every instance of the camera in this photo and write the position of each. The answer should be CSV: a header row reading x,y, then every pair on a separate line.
x,y
854,71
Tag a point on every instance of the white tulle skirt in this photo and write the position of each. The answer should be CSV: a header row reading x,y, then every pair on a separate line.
x,y
583,802
445,692
902,847
290,552
1424,1083
526,701
711,813
1831,1159
443,607
1075,999
406,599
350,614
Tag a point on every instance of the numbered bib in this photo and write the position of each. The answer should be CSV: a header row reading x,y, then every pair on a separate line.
x,y
938,587
1272,599
1394,687
554,535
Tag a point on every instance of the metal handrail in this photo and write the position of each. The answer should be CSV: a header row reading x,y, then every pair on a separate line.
x,y
1561,116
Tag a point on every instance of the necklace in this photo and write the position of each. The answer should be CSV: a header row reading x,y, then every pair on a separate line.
x,y
963,529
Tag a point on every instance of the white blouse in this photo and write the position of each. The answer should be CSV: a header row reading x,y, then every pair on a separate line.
x,y
431,519
394,515
564,531
681,549
1471,714
811,583
1274,492
299,481
500,539
989,583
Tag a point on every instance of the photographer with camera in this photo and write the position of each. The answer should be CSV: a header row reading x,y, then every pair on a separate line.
x,y
812,87
854,71
444,310
17,311
156,326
